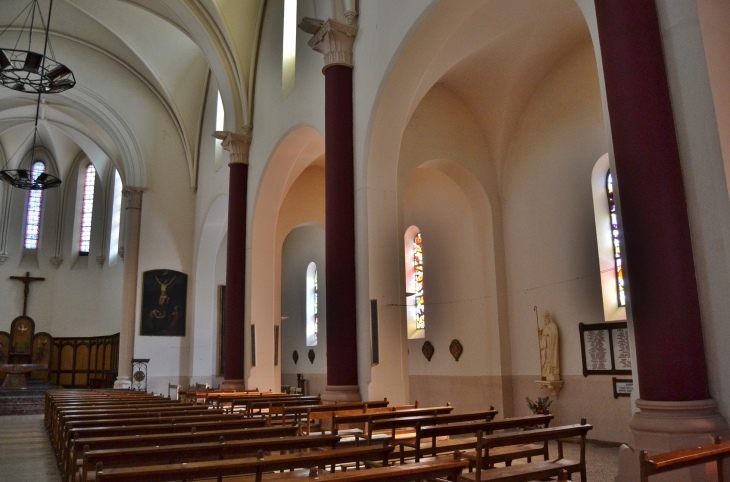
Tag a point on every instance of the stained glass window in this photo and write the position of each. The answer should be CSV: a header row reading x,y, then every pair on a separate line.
x,y
418,281
316,312
33,211
620,284
87,209
312,302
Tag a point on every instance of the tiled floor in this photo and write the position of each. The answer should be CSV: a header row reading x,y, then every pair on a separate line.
x,y
25,451
601,459
26,456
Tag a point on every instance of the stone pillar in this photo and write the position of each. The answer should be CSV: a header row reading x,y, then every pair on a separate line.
x,y
133,211
335,40
676,410
237,147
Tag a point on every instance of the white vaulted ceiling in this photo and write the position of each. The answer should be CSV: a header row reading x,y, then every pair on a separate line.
x,y
117,48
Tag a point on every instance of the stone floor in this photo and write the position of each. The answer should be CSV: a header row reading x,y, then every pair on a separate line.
x,y
26,456
25,451
601,459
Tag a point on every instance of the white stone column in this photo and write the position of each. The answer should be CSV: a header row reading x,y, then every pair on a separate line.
x,y
133,211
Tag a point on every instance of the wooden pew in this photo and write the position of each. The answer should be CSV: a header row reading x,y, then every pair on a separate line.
x,y
431,433
57,428
155,412
79,445
715,453
242,466
321,413
138,430
379,425
485,471
350,419
61,412
168,454
433,469
138,421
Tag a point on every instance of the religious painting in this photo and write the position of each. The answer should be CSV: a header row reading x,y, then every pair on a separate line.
x,y
164,300
605,349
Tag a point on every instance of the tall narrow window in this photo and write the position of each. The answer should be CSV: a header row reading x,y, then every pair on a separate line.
x,y
312,294
289,47
418,281
87,210
33,210
616,242
116,218
220,117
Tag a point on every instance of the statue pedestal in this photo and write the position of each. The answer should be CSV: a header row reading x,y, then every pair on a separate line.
x,y
552,386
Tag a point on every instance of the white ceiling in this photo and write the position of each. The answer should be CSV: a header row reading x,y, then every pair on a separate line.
x,y
169,46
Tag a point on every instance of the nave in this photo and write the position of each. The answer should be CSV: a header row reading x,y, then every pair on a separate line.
x,y
125,437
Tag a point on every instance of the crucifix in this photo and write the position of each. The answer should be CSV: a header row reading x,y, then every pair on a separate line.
x,y
27,280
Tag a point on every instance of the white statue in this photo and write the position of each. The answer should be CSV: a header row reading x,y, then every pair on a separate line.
x,y
549,348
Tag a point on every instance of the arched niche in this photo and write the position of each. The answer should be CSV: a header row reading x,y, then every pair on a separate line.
x,y
297,158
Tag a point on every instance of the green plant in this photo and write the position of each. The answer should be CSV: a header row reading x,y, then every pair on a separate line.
x,y
539,407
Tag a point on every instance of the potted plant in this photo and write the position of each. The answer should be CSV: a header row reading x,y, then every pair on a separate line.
x,y
541,406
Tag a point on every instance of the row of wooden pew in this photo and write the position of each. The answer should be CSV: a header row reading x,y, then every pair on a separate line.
x,y
127,436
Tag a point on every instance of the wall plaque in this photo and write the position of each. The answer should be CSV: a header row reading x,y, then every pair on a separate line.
x,y
427,350
456,349
605,349
622,388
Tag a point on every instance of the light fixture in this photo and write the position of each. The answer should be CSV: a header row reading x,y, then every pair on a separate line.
x,y
30,72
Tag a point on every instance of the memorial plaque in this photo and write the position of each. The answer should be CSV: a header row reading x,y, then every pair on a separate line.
x,y
605,349
621,351
598,349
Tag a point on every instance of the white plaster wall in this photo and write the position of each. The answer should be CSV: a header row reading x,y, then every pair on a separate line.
x,y
303,245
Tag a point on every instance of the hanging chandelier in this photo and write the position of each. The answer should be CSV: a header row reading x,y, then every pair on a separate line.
x,y
28,71
31,72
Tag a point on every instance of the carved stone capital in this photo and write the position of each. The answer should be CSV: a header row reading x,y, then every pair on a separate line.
x,y
120,252
132,197
237,146
334,40
3,257
56,261
100,260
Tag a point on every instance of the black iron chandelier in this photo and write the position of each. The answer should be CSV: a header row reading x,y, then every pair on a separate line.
x,y
31,72
28,71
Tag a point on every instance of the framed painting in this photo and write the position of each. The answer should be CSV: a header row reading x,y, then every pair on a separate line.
x,y
164,300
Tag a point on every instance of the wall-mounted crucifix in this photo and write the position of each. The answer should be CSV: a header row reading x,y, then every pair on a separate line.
x,y
27,280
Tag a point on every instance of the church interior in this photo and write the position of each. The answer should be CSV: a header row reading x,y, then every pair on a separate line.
x,y
435,202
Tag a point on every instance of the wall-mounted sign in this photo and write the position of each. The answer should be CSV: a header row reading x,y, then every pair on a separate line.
x,y
622,388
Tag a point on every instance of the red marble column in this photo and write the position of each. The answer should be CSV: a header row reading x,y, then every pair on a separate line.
x,y
335,41
663,298
340,228
237,146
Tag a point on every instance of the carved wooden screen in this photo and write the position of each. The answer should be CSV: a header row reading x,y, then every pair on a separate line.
x,y
81,362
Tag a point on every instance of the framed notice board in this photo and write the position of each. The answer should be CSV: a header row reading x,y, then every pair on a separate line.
x,y
605,349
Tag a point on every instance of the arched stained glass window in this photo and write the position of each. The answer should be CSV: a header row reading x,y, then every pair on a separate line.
x,y
87,209
312,295
316,309
33,210
418,281
620,284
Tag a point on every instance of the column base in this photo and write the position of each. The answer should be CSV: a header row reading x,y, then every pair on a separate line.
x,y
233,385
341,393
667,426
123,383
